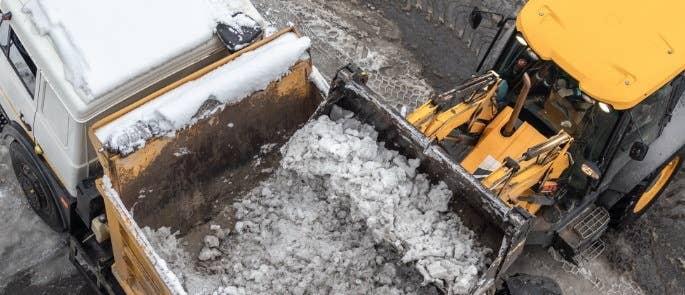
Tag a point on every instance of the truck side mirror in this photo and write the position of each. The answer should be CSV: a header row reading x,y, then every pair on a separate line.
x,y
475,18
638,151
240,35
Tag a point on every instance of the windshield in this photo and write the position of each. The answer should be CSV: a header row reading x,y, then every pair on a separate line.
x,y
556,103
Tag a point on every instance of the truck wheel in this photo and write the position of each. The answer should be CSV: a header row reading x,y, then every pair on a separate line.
x,y
36,187
645,194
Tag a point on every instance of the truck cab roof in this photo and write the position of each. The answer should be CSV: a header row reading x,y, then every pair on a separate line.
x,y
621,52
97,56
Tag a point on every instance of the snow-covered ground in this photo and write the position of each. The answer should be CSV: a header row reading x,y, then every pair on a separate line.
x,y
31,254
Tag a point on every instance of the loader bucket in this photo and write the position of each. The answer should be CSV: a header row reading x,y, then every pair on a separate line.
x,y
496,226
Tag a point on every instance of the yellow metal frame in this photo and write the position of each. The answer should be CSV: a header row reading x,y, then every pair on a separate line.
x,y
511,185
134,268
498,147
479,107
106,158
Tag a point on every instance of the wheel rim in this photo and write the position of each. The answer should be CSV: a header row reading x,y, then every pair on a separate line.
x,y
32,189
657,185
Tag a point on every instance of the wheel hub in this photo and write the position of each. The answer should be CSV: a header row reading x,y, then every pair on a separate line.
x,y
29,183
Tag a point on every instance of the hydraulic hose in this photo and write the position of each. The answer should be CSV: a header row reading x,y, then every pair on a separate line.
x,y
525,90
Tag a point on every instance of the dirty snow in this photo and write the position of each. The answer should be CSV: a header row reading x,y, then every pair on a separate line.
x,y
342,32
342,215
22,228
195,100
103,44
400,206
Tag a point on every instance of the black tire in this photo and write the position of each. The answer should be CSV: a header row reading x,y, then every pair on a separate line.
x,y
36,187
3,119
624,212
524,284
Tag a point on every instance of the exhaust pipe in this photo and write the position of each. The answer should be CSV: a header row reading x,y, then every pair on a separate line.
x,y
511,125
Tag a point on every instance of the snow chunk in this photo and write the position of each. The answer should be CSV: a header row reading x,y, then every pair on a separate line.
x,y
228,84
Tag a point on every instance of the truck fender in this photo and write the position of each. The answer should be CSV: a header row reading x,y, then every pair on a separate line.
x,y
14,132
671,141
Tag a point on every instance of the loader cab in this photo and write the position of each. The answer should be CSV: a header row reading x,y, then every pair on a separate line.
x,y
556,103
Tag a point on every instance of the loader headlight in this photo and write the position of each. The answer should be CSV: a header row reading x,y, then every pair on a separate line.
x,y
605,107
521,40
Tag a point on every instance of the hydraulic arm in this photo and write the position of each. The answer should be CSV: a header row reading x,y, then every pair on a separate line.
x,y
471,103
528,180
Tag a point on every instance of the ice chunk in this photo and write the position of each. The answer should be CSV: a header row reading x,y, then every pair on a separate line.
x,y
211,241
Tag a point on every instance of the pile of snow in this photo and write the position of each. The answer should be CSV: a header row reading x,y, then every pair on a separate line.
x,y
195,100
400,206
104,44
342,215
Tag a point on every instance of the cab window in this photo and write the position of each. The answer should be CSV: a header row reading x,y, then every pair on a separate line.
x,y
15,52
648,119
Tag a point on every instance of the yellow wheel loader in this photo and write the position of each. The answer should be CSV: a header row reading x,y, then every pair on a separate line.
x,y
574,126
578,120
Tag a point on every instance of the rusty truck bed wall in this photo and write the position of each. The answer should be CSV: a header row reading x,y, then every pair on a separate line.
x,y
172,181
497,226
156,184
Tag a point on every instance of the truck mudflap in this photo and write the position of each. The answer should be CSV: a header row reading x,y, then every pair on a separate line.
x,y
497,226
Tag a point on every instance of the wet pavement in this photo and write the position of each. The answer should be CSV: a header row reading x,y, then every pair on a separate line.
x,y
33,258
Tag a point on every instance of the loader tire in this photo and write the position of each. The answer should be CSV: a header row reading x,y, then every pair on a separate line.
x,y
524,284
36,187
634,204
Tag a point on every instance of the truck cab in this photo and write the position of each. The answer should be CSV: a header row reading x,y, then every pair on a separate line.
x,y
44,114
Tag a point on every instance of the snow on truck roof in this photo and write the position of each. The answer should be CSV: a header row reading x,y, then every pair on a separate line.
x,y
104,44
